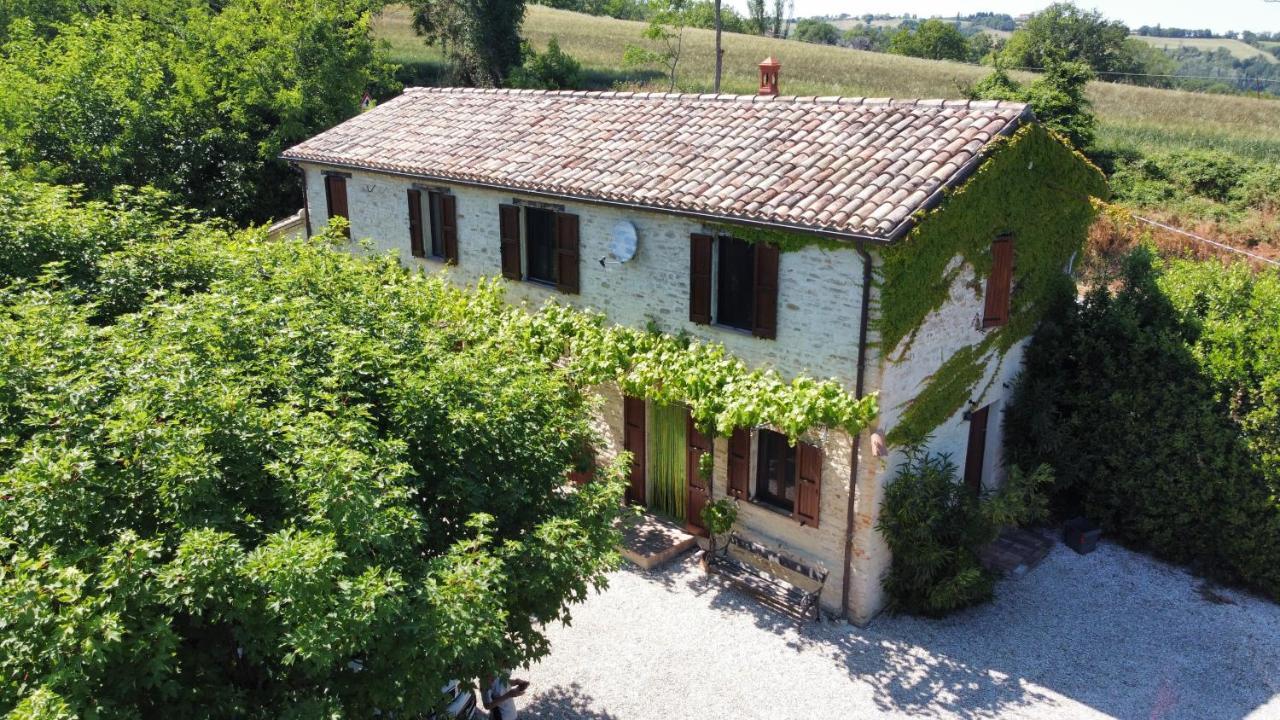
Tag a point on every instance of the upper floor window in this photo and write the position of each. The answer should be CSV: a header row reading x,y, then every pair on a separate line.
x,y
734,283
539,245
996,307
335,196
437,237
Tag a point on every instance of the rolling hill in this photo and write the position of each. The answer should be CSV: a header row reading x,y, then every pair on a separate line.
x,y
1148,119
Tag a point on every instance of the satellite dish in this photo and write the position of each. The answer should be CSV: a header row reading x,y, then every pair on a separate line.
x,y
622,245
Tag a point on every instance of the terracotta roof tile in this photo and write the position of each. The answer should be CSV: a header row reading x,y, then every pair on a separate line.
x,y
847,166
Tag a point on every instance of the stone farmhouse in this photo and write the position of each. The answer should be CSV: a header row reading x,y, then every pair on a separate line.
x,y
900,247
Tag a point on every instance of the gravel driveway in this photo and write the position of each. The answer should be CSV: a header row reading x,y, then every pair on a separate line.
x,y
1114,633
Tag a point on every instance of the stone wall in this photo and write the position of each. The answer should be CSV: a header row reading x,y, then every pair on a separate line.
x,y
819,296
819,306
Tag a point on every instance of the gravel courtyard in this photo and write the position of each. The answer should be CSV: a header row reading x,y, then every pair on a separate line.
x,y
1114,633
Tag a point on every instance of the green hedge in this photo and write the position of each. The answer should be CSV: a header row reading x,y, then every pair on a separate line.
x,y
1157,405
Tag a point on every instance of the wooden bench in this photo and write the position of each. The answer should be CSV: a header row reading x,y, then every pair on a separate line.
x,y
770,586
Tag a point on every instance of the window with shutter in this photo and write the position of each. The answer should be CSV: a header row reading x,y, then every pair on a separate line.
x,y
808,484
976,451
436,202
740,463
776,471
700,278
415,224
449,227
540,245
335,193
567,253
509,234
999,283
735,283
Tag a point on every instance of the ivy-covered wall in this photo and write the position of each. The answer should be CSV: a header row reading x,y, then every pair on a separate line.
x,y
1031,186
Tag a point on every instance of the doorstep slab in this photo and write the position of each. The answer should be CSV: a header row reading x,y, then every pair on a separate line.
x,y
1016,551
650,541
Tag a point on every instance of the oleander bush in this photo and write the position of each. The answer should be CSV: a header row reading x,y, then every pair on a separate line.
x,y
935,527
1156,400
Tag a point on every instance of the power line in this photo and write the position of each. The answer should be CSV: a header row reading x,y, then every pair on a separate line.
x,y
1203,239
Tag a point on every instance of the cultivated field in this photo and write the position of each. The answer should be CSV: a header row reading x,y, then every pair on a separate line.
x,y
1147,118
1238,48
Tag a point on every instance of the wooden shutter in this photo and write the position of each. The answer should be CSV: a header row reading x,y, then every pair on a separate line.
x,y
698,487
335,192
808,483
740,463
416,245
975,453
700,278
765,298
449,227
633,441
509,230
999,283
567,253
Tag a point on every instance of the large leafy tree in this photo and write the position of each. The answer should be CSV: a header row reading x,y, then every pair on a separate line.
x,y
1064,32
481,38
194,98
933,39
250,479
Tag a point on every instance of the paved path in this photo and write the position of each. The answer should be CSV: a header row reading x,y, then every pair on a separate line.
x,y
1114,633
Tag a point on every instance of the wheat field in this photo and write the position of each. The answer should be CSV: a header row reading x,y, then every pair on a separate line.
x,y
1149,119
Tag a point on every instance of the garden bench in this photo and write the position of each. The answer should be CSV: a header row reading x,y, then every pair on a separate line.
x,y
763,582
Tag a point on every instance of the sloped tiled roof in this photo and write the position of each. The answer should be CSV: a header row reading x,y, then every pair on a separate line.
x,y
841,166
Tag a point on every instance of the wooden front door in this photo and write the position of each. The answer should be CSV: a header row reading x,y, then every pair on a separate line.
x,y
975,453
633,440
699,487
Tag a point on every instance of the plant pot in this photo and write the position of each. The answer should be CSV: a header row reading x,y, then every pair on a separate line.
x,y
1081,535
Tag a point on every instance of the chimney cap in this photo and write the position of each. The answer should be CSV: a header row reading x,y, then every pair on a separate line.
x,y
770,62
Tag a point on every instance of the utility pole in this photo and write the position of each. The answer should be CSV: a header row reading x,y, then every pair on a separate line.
x,y
719,50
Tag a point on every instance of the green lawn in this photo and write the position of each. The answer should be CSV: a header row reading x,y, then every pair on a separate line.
x,y
1147,118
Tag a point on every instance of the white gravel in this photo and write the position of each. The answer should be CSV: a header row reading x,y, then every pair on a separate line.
x,y
1113,633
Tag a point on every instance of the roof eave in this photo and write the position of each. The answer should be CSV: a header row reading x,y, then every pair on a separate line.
x,y
956,180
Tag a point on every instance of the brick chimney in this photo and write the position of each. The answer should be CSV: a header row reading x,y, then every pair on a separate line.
x,y
769,68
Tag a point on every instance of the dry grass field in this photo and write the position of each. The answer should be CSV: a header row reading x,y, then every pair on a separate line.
x,y
1238,48
1147,118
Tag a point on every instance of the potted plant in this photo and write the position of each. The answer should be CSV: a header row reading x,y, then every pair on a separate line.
x,y
718,517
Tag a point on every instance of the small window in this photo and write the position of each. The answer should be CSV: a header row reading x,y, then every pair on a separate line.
x,y
995,311
434,199
735,283
776,471
540,244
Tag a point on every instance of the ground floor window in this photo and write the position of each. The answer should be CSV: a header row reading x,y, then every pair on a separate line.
x,y
776,471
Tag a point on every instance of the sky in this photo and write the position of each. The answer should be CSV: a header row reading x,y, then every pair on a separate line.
x,y
1219,15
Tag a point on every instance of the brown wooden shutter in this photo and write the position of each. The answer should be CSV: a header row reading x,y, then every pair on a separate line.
x,y
999,283
975,453
700,278
335,192
415,224
765,316
698,487
740,463
567,253
808,483
509,230
449,227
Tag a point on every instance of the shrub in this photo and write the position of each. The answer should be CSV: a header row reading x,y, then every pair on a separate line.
x,y
550,70
935,526
1156,404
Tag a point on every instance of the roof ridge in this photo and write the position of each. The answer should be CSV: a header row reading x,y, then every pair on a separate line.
x,y
855,101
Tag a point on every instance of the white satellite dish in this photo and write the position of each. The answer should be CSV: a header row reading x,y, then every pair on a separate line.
x,y
622,245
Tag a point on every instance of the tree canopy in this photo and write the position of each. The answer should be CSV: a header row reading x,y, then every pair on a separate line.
x,y
933,39
192,97
258,479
